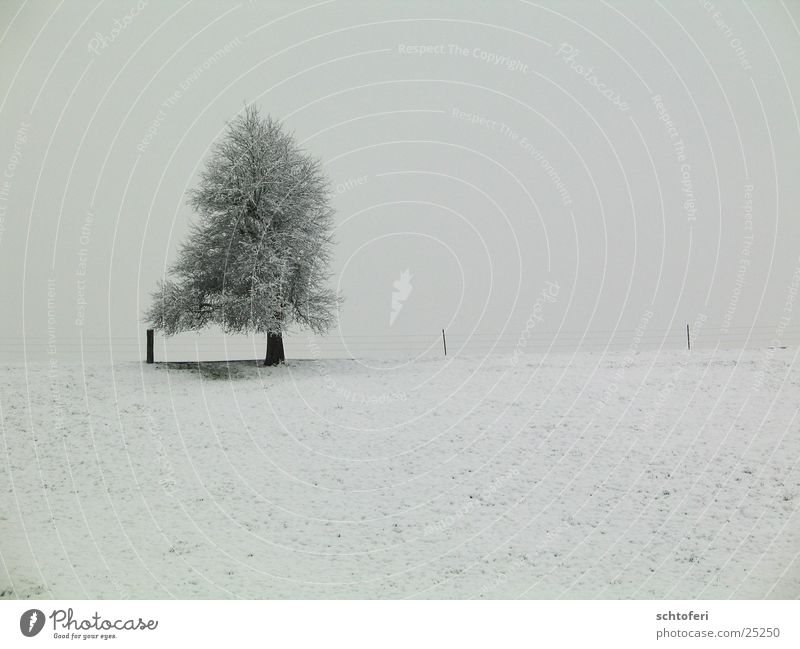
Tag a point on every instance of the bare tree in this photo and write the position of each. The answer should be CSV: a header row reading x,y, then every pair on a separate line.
x,y
257,259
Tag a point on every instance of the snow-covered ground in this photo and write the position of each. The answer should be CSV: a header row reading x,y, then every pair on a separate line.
x,y
576,476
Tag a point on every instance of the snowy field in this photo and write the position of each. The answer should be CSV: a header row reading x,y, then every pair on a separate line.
x,y
670,475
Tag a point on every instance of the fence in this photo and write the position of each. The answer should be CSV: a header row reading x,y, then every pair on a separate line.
x,y
438,342
509,341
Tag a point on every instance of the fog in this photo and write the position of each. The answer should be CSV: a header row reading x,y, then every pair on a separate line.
x,y
564,174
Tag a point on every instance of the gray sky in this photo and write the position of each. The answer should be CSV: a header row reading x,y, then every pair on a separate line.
x,y
642,157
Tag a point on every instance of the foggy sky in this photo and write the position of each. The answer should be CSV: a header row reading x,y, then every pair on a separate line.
x,y
638,160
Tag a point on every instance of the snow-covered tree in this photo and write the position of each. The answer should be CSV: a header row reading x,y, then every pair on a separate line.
x,y
257,258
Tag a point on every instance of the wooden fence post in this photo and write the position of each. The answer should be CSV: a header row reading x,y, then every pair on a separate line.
x,y
150,357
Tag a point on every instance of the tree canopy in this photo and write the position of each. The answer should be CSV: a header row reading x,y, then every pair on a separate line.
x,y
257,258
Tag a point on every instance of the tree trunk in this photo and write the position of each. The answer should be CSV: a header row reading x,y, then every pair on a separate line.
x,y
275,354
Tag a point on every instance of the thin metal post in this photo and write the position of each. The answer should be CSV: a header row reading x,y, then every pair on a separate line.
x,y
444,342
688,339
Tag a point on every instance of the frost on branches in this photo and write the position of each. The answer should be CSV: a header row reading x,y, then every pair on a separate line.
x,y
257,258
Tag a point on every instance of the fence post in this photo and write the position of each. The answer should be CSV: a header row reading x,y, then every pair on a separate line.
x,y
444,342
688,339
150,358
